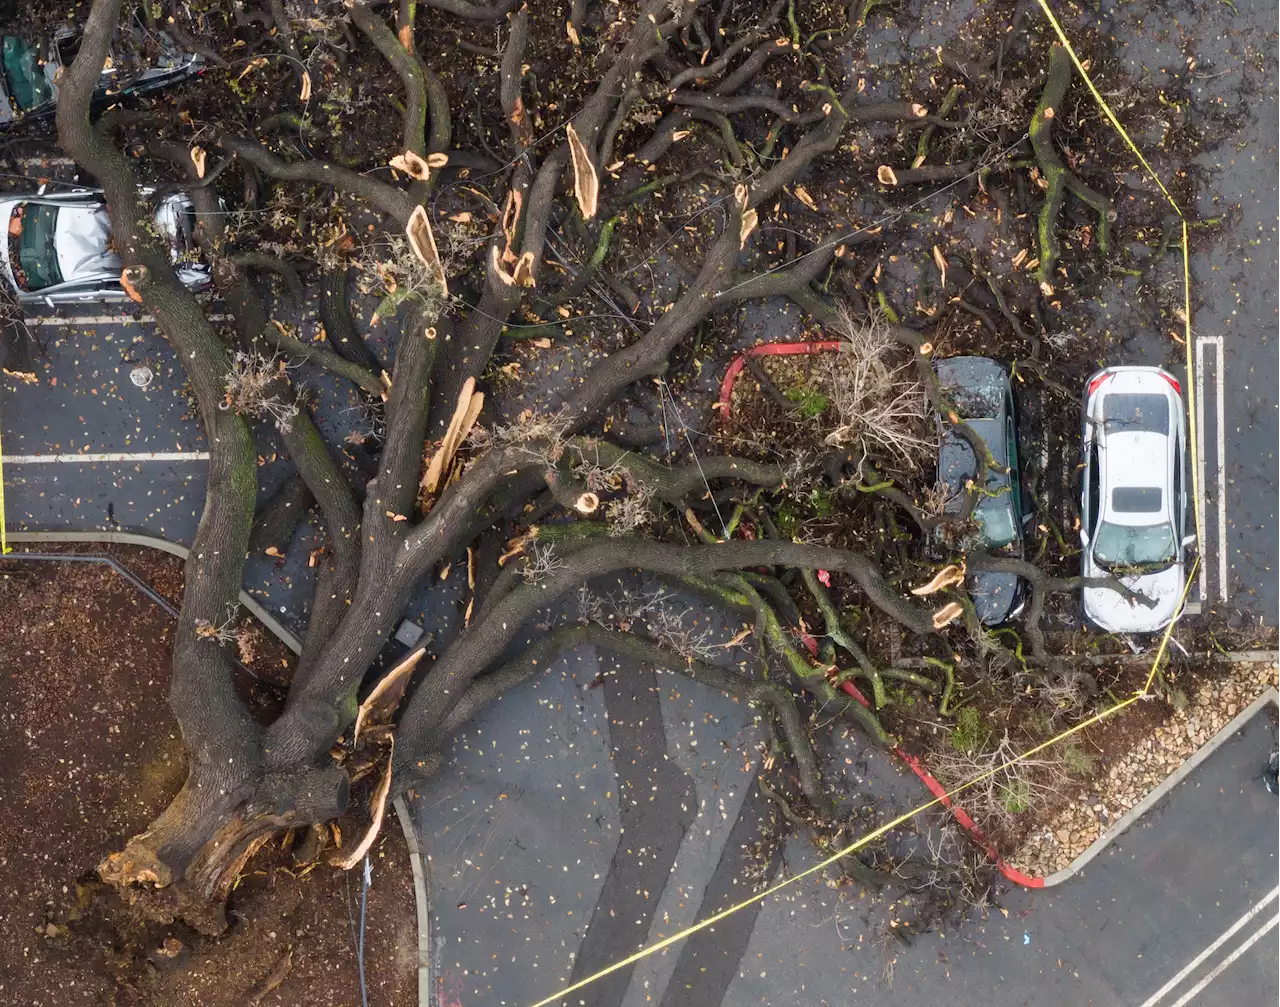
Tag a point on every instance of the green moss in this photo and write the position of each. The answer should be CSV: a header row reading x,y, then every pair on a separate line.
x,y
1015,796
1077,760
811,404
970,734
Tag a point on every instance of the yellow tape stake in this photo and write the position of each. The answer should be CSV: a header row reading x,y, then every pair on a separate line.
x,y
1142,693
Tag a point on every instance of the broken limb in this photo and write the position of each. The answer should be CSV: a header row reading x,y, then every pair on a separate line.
x,y
1057,177
673,485
836,633
306,353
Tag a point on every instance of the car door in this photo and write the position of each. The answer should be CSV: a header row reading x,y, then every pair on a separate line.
x,y
1091,491
93,290
1015,476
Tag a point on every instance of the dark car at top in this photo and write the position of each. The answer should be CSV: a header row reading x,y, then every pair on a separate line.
x,y
141,61
978,389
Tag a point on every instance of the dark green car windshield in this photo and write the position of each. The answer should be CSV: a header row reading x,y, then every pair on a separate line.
x,y
23,75
32,253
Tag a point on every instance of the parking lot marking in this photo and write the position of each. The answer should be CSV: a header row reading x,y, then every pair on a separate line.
x,y
1220,466
1227,962
109,456
67,320
1199,959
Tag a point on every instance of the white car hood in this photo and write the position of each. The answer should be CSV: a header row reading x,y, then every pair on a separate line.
x,y
82,237
1112,611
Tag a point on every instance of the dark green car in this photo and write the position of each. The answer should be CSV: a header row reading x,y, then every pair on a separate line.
x,y
29,71
979,390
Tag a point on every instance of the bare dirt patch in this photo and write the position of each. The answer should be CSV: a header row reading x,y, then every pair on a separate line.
x,y
91,753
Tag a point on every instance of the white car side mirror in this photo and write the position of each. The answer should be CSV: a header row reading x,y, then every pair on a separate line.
x,y
1188,541
1084,537
43,186
48,303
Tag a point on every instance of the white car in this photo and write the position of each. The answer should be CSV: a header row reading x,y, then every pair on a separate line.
x,y
58,247
1134,500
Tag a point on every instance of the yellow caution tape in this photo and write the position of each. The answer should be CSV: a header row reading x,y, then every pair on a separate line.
x,y
858,844
1106,109
1143,693
875,834
1187,265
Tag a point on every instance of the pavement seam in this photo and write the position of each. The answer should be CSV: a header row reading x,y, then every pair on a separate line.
x,y
416,866
1154,797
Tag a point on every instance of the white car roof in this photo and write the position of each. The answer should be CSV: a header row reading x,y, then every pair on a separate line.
x,y
1136,458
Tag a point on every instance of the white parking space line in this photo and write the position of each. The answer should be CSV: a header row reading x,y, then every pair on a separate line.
x,y
1220,460
68,320
1195,963
109,456
1227,962
54,161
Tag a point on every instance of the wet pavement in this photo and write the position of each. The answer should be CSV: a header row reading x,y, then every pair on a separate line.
x,y
580,818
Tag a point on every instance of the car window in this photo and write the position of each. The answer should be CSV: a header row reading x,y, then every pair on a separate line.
x,y
970,402
1133,413
68,46
1137,499
31,249
1015,481
24,76
996,521
1179,505
1094,496
1120,545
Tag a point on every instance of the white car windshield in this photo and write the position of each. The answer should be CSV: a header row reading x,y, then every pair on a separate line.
x,y
1119,545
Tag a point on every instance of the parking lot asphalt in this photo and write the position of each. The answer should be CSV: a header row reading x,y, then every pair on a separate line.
x,y
1134,920
524,827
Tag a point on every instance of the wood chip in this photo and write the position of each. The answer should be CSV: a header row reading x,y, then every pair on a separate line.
x,y
802,194
423,243
586,184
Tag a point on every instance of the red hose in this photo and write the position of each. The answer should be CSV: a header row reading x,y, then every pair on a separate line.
x,y
768,350
962,817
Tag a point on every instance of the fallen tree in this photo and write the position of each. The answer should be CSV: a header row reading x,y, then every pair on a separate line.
x,y
435,494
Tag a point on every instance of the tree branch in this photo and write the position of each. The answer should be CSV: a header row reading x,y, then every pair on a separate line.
x,y
483,642
383,197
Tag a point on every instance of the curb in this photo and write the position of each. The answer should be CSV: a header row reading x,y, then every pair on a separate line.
x,y
163,545
420,898
1154,797
292,642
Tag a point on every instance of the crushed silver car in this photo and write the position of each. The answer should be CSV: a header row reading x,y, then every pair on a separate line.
x,y
59,249
1134,497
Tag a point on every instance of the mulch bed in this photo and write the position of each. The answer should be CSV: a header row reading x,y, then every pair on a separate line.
x,y
90,754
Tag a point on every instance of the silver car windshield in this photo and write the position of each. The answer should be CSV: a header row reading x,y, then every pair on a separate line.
x,y
1119,545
